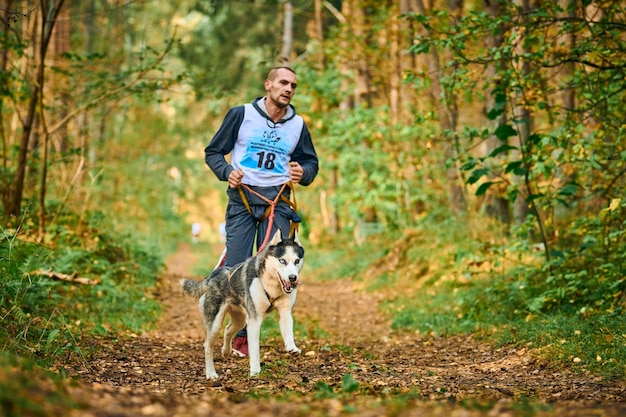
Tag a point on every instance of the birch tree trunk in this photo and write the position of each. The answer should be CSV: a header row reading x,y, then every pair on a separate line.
x,y
395,76
285,54
524,123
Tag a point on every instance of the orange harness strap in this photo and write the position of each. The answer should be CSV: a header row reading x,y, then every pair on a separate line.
x,y
269,213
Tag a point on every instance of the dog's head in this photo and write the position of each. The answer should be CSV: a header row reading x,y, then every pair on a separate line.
x,y
285,259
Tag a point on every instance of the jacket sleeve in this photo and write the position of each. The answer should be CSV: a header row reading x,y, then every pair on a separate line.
x,y
305,155
223,143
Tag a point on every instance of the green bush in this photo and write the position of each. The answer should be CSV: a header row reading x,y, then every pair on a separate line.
x,y
42,318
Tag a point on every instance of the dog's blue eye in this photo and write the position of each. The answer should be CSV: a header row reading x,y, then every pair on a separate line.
x,y
282,261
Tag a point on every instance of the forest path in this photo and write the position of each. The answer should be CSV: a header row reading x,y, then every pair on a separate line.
x,y
161,372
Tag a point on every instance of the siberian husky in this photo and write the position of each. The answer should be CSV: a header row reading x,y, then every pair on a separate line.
x,y
265,282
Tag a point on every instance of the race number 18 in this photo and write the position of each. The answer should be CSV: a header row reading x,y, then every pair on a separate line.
x,y
266,160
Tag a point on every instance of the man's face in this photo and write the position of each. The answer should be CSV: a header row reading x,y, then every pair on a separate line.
x,y
282,88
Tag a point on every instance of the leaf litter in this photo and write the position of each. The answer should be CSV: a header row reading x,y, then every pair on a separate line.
x,y
351,364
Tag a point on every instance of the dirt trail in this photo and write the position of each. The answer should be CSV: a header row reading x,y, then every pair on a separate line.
x,y
161,373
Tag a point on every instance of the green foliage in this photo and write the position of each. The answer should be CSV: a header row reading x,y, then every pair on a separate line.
x,y
324,391
271,328
232,48
572,307
349,384
384,180
44,318
344,259
26,390
378,182
565,167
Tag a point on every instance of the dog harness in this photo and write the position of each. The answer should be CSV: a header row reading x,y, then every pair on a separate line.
x,y
232,271
269,213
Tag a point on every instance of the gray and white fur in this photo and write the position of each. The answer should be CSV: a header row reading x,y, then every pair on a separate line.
x,y
265,282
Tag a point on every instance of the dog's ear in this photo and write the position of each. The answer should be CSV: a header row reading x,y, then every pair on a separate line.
x,y
277,238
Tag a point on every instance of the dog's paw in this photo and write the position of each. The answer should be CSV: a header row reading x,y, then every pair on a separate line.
x,y
227,350
293,349
239,354
211,375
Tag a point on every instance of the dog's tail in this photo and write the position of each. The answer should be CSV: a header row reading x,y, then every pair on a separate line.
x,y
193,288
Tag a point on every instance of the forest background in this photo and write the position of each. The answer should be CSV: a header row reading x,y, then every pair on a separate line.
x,y
474,150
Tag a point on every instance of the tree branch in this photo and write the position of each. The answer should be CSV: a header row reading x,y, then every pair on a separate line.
x,y
61,123
73,278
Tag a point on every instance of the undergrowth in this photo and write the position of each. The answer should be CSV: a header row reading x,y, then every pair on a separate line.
x,y
440,278
28,390
44,318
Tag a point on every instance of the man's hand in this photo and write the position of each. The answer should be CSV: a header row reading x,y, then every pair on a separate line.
x,y
295,172
234,179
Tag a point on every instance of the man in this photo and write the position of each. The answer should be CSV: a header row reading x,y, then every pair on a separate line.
x,y
269,145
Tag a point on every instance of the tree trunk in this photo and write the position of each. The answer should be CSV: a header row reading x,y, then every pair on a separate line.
x,y
524,123
408,62
319,34
4,59
496,204
568,97
60,43
395,75
363,95
447,112
48,17
285,54
328,209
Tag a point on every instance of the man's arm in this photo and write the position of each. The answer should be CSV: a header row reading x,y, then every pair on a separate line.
x,y
223,143
305,155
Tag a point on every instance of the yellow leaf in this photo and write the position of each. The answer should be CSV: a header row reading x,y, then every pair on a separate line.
x,y
614,204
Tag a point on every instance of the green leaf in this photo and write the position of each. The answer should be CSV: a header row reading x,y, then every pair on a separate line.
x,y
503,132
484,187
569,189
323,390
534,139
349,384
499,107
471,164
476,175
517,167
420,48
494,113
500,149
51,336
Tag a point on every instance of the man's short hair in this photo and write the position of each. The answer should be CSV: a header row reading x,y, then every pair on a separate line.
x,y
274,71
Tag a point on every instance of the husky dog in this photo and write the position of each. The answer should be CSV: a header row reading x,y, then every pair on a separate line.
x,y
267,281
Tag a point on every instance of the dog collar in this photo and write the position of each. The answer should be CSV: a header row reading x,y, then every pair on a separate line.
x,y
270,300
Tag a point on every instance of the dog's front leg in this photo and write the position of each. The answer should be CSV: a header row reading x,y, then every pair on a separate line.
x,y
208,355
254,344
286,329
